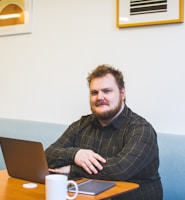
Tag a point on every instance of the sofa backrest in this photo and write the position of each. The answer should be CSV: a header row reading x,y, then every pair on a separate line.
x,y
172,165
43,132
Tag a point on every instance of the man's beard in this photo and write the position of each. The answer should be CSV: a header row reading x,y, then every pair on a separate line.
x,y
107,115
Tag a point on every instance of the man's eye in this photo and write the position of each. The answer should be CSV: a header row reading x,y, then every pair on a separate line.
x,y
93,93
107,91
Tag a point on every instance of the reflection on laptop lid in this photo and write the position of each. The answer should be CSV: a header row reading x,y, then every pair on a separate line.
x,y
24,159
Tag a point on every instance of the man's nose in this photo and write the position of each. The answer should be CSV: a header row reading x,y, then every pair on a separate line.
x,y
100,95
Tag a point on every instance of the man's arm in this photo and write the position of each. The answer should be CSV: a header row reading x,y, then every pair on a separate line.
x,y
90,161
61,152
140,150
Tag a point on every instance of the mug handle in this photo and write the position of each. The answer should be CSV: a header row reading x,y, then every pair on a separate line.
x,y
71,182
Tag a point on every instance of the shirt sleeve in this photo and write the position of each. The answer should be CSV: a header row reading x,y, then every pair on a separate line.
x,y
62,152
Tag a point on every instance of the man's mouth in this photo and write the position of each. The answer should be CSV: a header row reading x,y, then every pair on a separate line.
x,y
101,103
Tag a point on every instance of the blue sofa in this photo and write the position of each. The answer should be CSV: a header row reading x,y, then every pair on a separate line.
x,y
172,163
46,133
172,150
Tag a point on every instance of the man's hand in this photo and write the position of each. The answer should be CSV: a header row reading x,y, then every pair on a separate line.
x,y
65,170
89,160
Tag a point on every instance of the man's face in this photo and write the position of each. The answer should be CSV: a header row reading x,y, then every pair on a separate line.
x,y
105,97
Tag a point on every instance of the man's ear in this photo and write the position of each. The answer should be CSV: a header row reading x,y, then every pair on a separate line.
x,y
123,93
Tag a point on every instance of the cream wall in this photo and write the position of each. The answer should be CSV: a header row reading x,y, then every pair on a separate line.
x,y
43,74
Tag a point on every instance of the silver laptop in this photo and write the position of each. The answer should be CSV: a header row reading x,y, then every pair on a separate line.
x,y
24,159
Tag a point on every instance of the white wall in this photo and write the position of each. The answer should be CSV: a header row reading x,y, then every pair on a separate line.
x,y
43,74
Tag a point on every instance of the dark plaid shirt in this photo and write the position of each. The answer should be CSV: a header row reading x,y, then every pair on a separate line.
x,y
129,145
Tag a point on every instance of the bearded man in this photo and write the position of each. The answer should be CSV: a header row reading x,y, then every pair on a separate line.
x,y
111,143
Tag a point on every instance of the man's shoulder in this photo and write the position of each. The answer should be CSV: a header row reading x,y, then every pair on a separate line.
x,y
83,121
135,117
86,118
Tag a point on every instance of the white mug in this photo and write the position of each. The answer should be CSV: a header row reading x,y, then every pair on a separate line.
x,y
56,187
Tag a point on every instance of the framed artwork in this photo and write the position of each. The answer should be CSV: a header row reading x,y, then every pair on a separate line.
x,y
15,17
131,13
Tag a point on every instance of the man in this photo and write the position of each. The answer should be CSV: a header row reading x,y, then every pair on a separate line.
x,y
112,143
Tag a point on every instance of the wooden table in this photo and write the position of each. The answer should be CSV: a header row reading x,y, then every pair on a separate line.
x,y
12,189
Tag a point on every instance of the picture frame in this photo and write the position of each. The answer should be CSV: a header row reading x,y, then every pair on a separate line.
x,y
131,13
15,17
